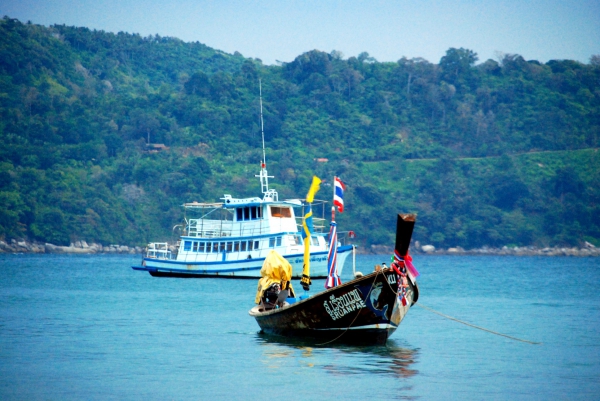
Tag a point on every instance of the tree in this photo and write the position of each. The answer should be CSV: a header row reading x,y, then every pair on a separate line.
x,y
51,226
198,84
305,65
11,212
457,63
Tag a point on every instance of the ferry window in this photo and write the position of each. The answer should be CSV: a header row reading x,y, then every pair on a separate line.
x,y
243,246
278,241
296,240
255,244
271,242
215,247
195,246
208,247
248,213
201,247
221,246
187,245
229,246
277,211
236,246
314,241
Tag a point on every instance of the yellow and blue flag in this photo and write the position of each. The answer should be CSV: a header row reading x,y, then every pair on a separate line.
x,y
307,223
314,187
307,229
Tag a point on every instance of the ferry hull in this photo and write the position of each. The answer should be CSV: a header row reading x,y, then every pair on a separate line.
x,y
248,268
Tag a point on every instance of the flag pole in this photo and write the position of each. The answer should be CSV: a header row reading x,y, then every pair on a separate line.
x,y
332,278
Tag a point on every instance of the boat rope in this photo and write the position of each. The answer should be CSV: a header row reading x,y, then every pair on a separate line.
x,y
476,327
357,312
468,324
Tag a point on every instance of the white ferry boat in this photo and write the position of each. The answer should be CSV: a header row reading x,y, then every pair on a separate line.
x,y
233,237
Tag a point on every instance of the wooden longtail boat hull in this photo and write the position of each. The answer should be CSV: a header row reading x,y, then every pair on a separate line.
x,y
366,310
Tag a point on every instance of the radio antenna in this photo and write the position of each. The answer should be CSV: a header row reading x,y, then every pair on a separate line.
x,y
262,125
264,176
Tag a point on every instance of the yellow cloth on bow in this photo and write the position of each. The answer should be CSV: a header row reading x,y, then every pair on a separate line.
x,y
275,269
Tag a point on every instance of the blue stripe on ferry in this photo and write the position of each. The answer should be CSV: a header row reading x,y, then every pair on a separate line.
x,y
341,249
258,203
230,239
193,272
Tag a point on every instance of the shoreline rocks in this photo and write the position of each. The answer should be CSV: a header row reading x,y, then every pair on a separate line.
x,y
588,250
585,251
79,247
82,247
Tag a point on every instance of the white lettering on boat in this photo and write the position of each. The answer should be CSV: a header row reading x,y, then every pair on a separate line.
x,y
312,259
341,306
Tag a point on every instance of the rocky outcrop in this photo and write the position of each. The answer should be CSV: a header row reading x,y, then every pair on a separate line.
x,y
586,250
82,247
79,247
378,250
428,248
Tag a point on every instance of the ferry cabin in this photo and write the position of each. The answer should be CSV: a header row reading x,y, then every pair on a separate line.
x,y
243,229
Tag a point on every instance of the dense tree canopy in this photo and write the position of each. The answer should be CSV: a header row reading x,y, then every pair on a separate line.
x,y
104,136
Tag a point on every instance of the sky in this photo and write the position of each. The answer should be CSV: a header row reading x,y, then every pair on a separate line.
x,y
280,30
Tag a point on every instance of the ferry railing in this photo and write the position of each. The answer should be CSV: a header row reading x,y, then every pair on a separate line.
x,y
346,237
204,228
159,250
319,224
225,228
209,228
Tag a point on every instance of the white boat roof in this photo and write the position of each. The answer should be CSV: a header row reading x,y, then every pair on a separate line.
x,y
230,202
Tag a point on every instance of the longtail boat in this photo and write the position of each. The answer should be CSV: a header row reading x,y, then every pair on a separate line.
x,y
366,310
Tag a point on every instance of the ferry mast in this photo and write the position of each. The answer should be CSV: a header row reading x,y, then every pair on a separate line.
x,y
269,194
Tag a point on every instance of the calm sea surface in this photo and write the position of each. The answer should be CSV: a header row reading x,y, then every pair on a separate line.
x,y
90,328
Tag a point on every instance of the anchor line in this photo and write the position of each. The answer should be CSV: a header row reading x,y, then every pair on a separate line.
x,y
469,324
477,327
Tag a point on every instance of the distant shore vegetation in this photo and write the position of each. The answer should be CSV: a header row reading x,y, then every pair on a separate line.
x,y
105,135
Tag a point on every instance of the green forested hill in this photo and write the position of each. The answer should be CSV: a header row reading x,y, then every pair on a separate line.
x,y
492,153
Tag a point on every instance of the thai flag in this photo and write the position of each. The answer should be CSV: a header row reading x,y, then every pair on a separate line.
x,y
407,261
338,194
404,267
333,277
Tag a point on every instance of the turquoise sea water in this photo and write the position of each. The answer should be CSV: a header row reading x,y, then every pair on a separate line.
x,y
90,328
